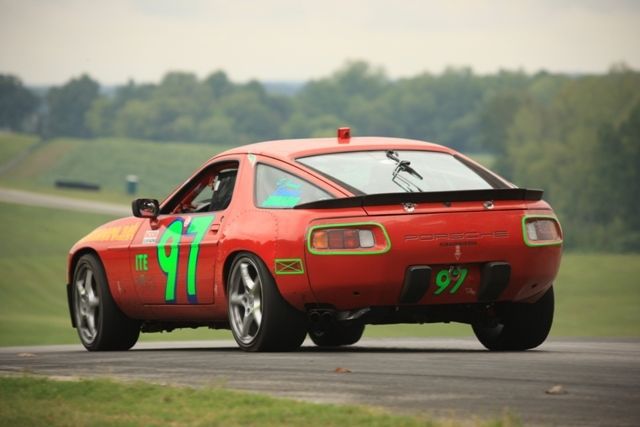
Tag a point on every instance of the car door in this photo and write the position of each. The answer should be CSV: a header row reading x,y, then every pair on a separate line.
x,y
173,256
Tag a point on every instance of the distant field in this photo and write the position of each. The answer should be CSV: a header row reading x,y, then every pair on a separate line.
x,y
160,167
12,145
597,295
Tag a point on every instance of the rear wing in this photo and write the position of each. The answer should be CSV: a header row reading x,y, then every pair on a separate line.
x,y
426,197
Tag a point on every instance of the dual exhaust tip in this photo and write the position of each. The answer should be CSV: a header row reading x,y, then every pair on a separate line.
x,y
321,318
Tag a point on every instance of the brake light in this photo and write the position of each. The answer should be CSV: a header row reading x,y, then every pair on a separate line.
x,y
348,239
541,231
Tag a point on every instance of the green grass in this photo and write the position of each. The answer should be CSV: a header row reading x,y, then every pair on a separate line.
x,y
12,144
32,401
160,167
596,295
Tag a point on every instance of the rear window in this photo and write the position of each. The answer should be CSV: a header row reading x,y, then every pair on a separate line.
x,y
374,172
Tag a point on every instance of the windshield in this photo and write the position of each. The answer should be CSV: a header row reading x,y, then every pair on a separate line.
x,y
374,172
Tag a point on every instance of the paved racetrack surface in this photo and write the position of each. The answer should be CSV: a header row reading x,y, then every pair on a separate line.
x,y
600,380
60,202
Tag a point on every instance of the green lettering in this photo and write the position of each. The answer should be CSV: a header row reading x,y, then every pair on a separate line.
x,y
442,281
462,274
142,262
169,261
198,227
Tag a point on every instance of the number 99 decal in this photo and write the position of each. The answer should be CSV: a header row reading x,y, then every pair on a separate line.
x,y
445,277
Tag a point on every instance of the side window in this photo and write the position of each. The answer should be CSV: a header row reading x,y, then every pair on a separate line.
x,y
275,188
210,191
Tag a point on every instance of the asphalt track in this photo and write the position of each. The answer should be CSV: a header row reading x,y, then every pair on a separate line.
x,y
60,202
600,380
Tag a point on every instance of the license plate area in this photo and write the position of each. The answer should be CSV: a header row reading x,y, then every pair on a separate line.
x,y
454,283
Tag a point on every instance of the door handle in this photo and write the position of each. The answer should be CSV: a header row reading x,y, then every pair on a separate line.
x,y
214,228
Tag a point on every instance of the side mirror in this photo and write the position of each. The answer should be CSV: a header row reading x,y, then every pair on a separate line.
x,y
145,208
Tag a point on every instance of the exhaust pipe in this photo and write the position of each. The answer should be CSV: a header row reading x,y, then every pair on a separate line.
x,y
321,319
326,318
314,317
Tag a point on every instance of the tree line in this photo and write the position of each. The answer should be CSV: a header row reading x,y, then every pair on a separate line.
x,y
578,137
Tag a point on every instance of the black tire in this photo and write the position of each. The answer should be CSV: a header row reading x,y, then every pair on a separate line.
x,y
100,324
337,334
521,326
271,324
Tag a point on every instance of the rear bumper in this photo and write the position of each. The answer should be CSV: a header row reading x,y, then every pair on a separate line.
x,y
473,257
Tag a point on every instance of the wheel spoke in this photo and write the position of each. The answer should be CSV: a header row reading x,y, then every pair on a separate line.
x,y
91,324
248,282
246,324
88,278
257,313
256,291
93,301
80,287
236,299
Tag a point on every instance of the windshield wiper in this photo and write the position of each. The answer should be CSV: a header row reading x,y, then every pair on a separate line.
x,y
403,166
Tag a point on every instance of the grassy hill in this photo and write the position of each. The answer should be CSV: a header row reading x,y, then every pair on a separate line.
x,y
160,167
12,145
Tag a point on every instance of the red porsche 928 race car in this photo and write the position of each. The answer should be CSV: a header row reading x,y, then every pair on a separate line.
x,y
281,239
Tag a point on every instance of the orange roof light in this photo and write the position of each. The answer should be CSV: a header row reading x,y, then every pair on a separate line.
x,y
344,135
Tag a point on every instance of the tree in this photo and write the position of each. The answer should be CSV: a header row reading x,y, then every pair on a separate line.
x,y
68,106
17,103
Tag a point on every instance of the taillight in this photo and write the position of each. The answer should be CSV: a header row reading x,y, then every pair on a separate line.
x,y
541,230
348,239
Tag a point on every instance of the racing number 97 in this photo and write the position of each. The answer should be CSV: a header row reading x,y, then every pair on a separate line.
x,y
168,261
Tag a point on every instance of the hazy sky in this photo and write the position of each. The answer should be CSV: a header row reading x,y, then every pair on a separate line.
x,y
49,41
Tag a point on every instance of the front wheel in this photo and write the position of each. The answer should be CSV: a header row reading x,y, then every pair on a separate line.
x,y
521,326
260,319
100,323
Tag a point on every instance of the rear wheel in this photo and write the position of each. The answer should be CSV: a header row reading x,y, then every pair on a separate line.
x,y
99,322
337,334
260,319
521,326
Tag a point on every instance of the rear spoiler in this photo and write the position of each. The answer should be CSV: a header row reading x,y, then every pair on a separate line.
x,y
430,197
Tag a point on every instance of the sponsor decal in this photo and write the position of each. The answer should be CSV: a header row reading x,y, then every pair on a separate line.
x,y
286,195
142,262
150,237
112,234
286,266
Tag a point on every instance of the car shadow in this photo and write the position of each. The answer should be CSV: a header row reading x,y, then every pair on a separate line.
x,y
330,350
